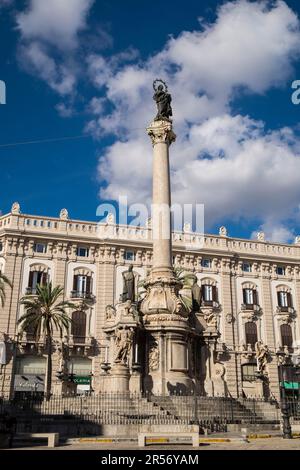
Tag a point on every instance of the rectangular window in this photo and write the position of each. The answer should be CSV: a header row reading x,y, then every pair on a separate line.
x,y
249,372
246,267
280,270
82,251
129,255
1,246
206,263
40,248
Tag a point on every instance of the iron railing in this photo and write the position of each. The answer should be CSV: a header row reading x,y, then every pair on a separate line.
x,y
128,408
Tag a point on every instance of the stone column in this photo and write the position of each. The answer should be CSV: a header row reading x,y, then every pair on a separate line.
x,y
162,136
165,317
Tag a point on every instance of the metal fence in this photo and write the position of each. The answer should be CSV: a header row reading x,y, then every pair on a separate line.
x,y
128,408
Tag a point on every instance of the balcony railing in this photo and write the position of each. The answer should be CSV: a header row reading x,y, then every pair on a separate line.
x,y
281,309
82,295
30,290
210,303
253,307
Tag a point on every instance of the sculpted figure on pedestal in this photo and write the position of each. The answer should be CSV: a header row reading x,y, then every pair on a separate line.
x,y
163,100
262,353
63,352
124,339
153,356
128,285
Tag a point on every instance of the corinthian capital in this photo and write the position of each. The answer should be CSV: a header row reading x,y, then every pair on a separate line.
x,y
161,132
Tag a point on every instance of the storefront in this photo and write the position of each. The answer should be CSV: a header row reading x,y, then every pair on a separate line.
x,y
30,376
81,370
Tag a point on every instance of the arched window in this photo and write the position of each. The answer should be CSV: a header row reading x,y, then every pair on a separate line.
x,y
250,296
286,335
82,284
284,299
78,327
209,293
251,333
38,275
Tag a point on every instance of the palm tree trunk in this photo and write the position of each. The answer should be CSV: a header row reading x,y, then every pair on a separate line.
x,y
49,366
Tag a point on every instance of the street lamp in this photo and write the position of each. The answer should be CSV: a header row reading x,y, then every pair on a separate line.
x,y
286,426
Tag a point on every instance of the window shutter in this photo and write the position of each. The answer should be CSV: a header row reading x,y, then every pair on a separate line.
x,y
75,280
214,293
44,279
255,302
286,335
202,293
88,284
289,299
279,299
30,280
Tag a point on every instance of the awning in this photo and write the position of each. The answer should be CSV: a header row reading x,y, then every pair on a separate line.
x,y
291,385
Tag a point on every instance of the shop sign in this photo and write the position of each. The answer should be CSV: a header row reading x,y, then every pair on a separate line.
x,y
29,383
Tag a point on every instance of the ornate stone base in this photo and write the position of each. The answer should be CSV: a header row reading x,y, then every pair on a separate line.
x,y
118,379
167,358
162,297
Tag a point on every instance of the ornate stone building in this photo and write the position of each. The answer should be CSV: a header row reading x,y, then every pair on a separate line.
x,y
244,320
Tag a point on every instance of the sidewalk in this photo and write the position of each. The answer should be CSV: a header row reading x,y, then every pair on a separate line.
x,y
212,442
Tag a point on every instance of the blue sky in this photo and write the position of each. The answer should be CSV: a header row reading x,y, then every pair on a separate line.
x,y
85,68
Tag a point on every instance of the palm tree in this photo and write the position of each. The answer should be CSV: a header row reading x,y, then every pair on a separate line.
x,y
3,282
44,313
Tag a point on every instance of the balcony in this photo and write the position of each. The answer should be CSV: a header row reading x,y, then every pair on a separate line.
x,y
210,303
281,309
30,291
82,295
251,307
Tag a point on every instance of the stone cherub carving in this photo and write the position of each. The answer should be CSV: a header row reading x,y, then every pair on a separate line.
x,y
163,100
211,320
128,285
123,340
110,312
262,353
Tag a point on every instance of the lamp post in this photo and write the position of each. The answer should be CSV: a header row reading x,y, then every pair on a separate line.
x,y
286,426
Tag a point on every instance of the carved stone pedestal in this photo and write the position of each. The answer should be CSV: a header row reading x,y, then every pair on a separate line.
x,y
167,355
135,383
118,379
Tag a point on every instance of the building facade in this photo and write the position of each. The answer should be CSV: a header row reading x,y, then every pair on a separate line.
x,y
249,304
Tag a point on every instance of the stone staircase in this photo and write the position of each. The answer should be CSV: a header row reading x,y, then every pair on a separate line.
x,y
191,408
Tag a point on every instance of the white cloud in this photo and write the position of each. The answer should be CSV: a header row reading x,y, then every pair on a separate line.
x,y
48,46
56,22
59,77
249,174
